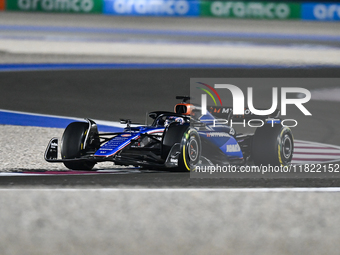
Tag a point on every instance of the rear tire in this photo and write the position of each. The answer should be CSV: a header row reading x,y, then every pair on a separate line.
x,y
273,146
73,144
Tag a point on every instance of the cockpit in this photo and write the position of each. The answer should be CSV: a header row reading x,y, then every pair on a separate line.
x,y
165,121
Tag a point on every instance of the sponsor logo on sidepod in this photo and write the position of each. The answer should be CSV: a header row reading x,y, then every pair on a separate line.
x,y
233,148
219,134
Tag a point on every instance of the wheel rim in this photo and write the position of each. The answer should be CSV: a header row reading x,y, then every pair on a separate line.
x,y
193,150
287,147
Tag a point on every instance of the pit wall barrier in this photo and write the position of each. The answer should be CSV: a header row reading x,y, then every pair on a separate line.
x,y
268,10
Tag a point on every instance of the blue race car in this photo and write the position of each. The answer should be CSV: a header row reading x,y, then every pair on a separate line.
x,y
178,140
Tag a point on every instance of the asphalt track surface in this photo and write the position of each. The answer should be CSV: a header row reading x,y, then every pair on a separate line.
x,y
113,94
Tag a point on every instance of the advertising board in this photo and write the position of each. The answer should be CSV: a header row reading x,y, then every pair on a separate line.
x,y
151,7
321,11
73,6
251,10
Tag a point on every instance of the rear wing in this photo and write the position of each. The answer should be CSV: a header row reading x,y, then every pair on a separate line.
x,y
225,112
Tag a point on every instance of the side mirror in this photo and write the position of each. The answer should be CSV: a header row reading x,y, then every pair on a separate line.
x,y
125,121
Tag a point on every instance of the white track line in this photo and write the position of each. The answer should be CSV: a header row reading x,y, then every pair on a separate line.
x,y
186,190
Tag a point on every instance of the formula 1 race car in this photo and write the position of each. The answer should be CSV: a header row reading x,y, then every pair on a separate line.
x,y
178,140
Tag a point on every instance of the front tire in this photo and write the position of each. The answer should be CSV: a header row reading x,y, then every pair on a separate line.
x,y
73,144
273,146
190,150
187,138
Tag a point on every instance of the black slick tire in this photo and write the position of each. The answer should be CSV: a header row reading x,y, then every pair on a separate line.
x,y
190,150
73,144
272,146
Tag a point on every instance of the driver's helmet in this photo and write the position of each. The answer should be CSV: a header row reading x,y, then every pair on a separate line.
x,y
172,119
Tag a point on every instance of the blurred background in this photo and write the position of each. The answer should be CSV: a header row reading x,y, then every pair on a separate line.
x,y
111,59
288,33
